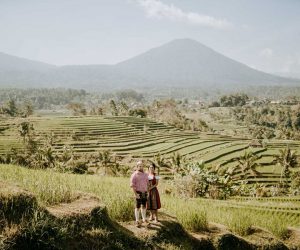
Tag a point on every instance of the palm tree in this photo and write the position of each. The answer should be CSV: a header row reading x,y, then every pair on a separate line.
x,y
124,108
286,159
25,130
160,161
49,156
105,157
177,161
113,108
247,163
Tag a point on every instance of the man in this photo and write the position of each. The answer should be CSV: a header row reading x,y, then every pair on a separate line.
x,y
139,185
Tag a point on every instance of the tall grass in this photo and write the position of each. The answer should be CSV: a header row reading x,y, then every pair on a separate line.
x,y
51,188
278,226
114,192
192,218
239,223
238,220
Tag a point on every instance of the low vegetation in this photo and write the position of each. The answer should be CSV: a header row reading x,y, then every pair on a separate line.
x,y
240,217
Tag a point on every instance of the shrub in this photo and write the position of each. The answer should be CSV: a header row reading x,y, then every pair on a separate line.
x,y
138,113
79,167
195,180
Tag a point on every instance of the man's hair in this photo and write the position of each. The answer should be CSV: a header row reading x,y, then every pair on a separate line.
x,y
139,163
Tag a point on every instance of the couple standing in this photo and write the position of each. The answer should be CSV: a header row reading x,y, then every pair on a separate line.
x,y
144,186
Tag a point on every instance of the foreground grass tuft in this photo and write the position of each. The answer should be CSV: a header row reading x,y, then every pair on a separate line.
x,y
278,226
240,224
192,220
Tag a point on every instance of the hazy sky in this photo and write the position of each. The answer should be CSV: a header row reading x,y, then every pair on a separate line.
x,y
264,34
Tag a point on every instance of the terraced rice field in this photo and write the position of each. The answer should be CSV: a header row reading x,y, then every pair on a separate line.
x,y
284,209
279,206
141,137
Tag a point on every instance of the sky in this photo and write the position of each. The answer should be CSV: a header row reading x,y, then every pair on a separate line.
x,y
264,34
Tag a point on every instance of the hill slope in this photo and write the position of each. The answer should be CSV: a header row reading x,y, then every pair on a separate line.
x,y
188,62
14,63
20,72
182,62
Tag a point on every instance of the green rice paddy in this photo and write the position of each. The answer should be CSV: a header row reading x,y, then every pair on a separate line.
x,y
142,137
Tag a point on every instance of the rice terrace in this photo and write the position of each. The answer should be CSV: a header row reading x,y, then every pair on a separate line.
x,y
150,124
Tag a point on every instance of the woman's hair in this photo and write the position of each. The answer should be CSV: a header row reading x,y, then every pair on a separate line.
x,y
152,165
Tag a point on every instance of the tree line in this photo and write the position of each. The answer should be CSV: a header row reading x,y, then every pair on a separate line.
x,y
270,121
42,98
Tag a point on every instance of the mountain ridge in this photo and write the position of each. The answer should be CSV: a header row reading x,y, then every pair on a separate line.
x,y
11,62
181,62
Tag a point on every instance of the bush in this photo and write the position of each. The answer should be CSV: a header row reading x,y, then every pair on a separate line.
x,y
195,180
79,167
138,113
189,186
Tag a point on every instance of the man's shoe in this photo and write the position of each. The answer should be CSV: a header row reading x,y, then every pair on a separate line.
x,y
138,224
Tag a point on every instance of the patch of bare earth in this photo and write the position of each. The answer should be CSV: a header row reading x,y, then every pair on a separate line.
x,y
218,236
294,240
83,205
146,230
263,239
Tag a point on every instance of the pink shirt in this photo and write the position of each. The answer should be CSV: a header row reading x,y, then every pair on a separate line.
x,y
139,181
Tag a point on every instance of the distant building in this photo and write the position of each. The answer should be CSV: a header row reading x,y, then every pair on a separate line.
x,y
276,102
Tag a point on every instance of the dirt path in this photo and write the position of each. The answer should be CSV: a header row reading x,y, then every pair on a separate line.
x,y
83,205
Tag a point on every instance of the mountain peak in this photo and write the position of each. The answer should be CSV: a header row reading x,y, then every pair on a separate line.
x,y
188,62
186,43
179,63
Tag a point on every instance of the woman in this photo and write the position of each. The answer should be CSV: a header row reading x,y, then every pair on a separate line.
x,y
153,202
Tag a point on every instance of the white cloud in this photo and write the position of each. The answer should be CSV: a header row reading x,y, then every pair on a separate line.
x,y
266,52
159,10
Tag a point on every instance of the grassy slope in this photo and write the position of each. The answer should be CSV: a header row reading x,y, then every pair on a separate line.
x,y
81,224
52,188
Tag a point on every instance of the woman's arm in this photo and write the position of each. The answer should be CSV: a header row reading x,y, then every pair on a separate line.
x,y
153,186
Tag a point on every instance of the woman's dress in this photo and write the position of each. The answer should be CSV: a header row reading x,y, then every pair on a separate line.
x,y
153,202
